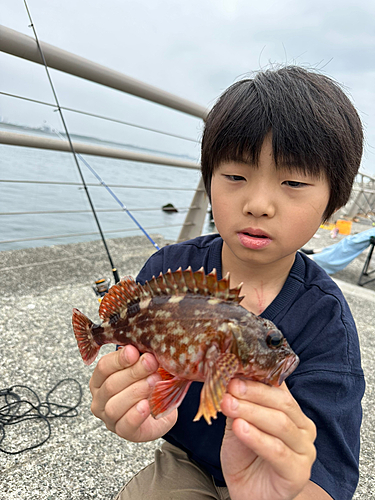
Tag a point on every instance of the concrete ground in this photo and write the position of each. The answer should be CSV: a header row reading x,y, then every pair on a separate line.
x,y
81,459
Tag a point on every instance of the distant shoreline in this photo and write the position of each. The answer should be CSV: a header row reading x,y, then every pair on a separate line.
x,y
47,130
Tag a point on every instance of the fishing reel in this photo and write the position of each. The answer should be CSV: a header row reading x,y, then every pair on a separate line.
x,y
101,287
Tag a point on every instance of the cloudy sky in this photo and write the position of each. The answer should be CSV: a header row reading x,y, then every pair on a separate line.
x,y
194,49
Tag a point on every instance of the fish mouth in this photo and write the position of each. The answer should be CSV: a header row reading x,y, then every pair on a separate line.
x,y
283,370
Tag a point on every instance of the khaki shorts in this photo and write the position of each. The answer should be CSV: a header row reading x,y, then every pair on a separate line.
x,y
173,476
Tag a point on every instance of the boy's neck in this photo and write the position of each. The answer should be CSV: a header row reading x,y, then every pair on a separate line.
x,y
261,283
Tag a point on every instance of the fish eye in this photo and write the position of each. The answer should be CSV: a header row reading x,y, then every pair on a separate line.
x,y
274,339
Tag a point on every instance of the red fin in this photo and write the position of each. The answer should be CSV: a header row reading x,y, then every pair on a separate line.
x,y
128,292
119,297
164,374
162,284
189,280
212,282
87,346
171,282
223,288
168,395
217,380
201,282
180,282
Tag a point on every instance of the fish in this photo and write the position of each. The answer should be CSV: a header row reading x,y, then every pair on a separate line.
x,y
197,330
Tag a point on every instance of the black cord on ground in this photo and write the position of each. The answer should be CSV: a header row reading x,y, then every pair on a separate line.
x,y
14,409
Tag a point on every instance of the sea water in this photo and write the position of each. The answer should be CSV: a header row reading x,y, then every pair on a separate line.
x,y
29,164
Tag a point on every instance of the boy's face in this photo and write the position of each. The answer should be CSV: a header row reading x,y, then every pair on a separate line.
x,y
265,215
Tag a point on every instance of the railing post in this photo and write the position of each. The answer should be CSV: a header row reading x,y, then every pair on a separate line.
x,y
362,198
196,215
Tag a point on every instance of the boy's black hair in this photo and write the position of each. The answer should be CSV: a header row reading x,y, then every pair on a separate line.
x,y
314,126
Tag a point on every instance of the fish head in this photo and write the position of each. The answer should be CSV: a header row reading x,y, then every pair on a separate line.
x,y
263,350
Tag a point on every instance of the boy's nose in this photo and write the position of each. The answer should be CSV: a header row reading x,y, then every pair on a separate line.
x,y
259,203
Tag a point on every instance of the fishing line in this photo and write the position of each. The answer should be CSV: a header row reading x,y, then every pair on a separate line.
x,y
111,193
114,270
15,409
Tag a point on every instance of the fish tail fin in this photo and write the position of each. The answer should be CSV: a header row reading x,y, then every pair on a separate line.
x,y
87,346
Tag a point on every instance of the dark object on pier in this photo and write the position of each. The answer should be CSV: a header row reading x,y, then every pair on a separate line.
x,y
169,208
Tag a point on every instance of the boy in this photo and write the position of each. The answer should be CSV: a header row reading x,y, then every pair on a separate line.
x,y
279,156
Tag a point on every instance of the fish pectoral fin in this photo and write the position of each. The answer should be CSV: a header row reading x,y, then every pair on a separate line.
x,y
164,374
218,376
168,395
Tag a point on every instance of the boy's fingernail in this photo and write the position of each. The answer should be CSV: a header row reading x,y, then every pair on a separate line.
x,y
241,387
152,379
124,353
140,408
245,427
234,404
146,363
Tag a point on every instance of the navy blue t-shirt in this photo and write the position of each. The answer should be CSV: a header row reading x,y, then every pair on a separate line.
x,y
328,384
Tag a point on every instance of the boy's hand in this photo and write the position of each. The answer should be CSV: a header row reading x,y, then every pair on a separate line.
x,y
120,385
268,449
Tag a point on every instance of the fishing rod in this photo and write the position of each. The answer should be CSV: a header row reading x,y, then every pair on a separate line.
x,y
126,210
114,270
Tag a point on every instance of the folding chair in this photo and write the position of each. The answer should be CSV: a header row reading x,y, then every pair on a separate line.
x,y
365,271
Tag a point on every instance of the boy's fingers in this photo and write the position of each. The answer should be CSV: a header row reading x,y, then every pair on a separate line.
x,y
128,426
116,379
120,403
138,425
284,460
111,363
120,360
273,423
278,398
271,410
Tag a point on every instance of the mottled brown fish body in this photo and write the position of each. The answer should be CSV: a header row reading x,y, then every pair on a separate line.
x,y
197,330
178,330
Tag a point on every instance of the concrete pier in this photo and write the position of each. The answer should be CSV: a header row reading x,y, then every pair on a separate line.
x,y
82,460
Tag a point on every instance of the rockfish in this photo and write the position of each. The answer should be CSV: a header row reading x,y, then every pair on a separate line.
x,y
197,330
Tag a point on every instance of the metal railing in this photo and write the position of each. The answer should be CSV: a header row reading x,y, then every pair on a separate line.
x,y
20,45
362,199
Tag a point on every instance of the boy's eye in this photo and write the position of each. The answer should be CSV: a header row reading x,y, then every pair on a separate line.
x,y
235,177
294,184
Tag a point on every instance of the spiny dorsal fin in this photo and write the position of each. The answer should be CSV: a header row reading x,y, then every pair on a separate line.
x,y
180,282
119,297
127,292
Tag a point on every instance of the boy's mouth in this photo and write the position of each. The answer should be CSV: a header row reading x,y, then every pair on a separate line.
x,y
255,233
254,239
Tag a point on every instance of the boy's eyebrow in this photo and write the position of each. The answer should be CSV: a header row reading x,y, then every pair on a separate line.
x,y
302,170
